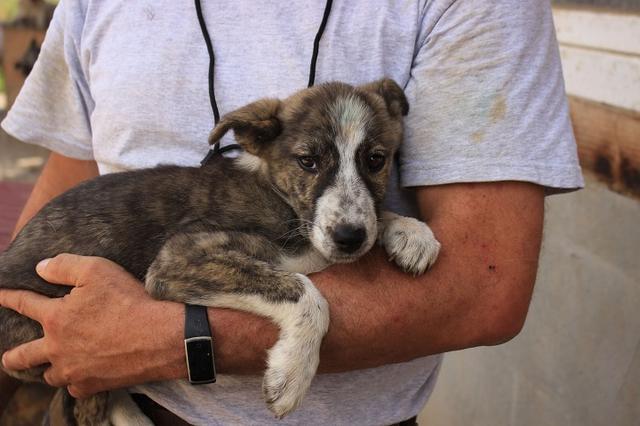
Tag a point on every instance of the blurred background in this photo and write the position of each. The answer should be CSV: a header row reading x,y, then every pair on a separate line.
x,y
577,361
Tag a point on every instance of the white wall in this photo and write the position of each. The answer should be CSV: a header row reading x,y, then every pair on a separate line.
x,y
600,55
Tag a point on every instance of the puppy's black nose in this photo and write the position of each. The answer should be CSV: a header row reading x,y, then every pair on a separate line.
x,y
349,238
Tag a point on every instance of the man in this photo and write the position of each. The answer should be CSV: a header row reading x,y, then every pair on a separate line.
x,y
121,86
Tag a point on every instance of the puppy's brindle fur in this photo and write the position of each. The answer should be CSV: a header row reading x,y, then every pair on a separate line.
x,y
240,233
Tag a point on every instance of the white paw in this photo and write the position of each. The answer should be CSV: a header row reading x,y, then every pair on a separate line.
x,y
293,360
410,243
288,376
123,411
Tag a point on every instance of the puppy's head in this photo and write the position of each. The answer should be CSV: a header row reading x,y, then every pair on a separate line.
x,y
327,151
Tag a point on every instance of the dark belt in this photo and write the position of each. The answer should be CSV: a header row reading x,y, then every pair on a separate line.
x,y
160,416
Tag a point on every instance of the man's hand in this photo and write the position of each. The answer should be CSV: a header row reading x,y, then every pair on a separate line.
x,y
59,174
80,329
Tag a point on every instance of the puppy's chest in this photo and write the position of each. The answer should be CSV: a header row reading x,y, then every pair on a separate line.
x,y
307,261
298,255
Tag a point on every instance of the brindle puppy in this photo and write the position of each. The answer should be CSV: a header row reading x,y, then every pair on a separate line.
x,y
305,193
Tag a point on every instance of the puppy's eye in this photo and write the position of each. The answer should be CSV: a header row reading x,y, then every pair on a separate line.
x,y
308,163
375,162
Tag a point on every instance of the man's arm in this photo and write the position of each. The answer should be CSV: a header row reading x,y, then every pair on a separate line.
x,y
477,294
59,174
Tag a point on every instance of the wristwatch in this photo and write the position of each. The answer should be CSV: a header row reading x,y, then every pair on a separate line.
x,y
198,346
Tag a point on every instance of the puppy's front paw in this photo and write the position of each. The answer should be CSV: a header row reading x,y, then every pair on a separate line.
x,y
294,359
410,243
286,381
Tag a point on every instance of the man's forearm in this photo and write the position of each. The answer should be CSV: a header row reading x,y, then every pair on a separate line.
x,y
477,293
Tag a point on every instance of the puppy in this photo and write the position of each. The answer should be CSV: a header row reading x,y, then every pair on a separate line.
x,y
243,233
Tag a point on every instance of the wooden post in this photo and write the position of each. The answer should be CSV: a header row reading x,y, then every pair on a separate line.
x,y
16,42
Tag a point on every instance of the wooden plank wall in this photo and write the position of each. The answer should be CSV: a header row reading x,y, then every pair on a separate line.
x,y
608,143
600,53
16,41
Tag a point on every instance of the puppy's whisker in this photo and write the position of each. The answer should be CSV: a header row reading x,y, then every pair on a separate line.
x,y
304,231
291,232
303,223
279,192
299,231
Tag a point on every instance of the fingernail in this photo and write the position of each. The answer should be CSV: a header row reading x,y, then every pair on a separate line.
x,y
42,265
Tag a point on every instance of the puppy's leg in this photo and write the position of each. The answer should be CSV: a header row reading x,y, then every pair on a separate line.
x,y
92,411
123,411
409,242
232,270
61,407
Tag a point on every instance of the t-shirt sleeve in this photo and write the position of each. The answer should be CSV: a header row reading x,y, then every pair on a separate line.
x,y
52,109
487,99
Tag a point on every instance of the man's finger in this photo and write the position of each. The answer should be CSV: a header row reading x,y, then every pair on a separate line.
x,y
73,270
27,303
28,355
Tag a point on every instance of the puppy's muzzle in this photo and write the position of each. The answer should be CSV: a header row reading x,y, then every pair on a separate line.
x,y
349,238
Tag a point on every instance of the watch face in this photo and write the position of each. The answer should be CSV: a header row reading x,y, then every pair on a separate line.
x,y
200,360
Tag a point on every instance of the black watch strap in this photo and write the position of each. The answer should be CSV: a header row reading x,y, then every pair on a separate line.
x,y
198,346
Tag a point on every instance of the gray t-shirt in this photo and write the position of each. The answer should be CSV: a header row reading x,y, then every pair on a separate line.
x,y
125,83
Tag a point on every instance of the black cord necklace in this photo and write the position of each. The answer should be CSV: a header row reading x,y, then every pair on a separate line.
x,y
212,95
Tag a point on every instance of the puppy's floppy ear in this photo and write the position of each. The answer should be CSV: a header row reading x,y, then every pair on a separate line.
x,y
392,94
254,125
